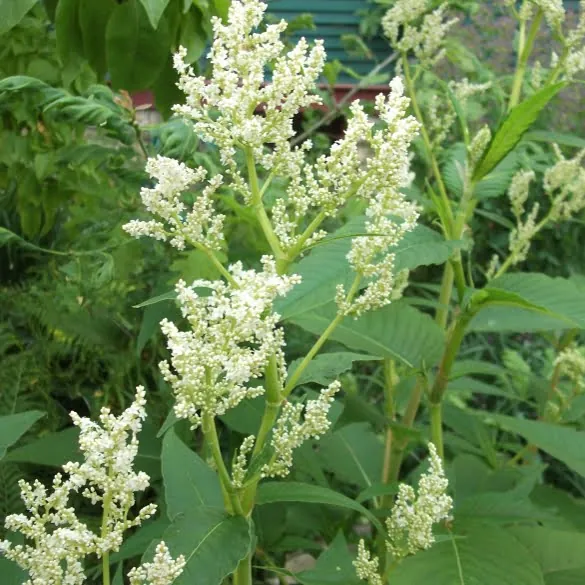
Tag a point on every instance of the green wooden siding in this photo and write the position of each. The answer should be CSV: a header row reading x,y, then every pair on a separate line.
x,y
333,19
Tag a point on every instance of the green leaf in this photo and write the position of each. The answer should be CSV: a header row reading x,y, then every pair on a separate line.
x,y
212,543
192,35
556,302
555,550
139,541
290,491
189,482
326,367
354,454
327,266
333,567
11,573
93,19
558,137
13,426
168,296
563,443
154,10
135,53
68,30
516,123
397,331
488,555
12,12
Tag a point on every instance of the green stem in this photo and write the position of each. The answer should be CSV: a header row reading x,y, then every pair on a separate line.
x,y
389,385
524,51
106,556
399,446
292,381
243,574
454,339
258,206
437,427
210,431
442,311
427,142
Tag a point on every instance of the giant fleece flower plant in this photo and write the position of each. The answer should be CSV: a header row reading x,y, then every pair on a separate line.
x,y
231,349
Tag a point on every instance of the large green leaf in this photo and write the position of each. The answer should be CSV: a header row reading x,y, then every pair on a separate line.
x,y
326,367
212,543
564,443
93,19
12,12
289,491
485,555
11,573
327,266
397,331
354,454
68,30
516,123
154,10
555,550
13,426
135,53
333,567
555,303
189,482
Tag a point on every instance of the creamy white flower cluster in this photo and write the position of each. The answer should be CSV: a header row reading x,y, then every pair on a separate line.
x,y
59,540
553,10
564,183
571,363
413,25
441,115
389,214
290,432
410,527
233,334
296,424
367,568
201,224
225,108
163,569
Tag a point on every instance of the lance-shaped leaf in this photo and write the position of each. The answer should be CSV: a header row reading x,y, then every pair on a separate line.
x,y
13,426
516,123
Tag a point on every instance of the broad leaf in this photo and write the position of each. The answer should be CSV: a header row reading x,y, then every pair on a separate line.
x,y
68,30
327,266
564,443
290,491
189,482
555,550
212,543
484,555
135,53
516,123
154,10
555,303
12,12
354,454
333,567
326,367
93,19
397,331
13,426
11,573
